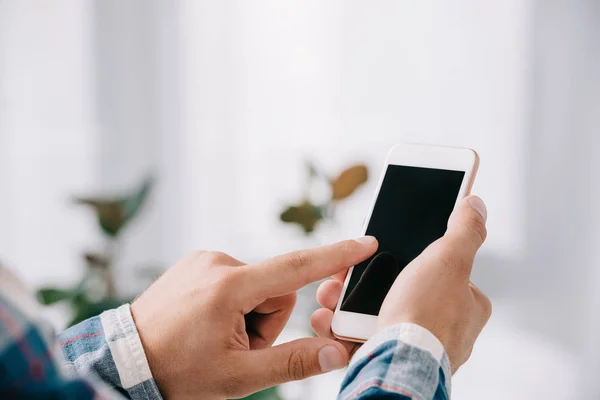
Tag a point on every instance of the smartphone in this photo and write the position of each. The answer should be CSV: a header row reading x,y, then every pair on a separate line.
x,y
418,189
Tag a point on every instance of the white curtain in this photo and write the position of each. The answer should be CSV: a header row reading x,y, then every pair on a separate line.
x,y
48,136
267,84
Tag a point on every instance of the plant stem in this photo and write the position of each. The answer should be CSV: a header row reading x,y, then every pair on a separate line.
x,y
109,276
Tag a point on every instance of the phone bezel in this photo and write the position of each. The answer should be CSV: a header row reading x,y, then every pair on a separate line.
x,y
357,327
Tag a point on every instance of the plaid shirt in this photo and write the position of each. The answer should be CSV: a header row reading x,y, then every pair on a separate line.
x,y
403,362
103,358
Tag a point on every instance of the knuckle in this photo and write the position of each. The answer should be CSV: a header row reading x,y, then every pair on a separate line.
x,y
196,255
345,246
486,306
229,280
298,259
223,289
477,225
484,302
466,355
298,364
214,257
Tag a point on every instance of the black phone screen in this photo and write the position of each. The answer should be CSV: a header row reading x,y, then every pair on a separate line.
x,y
411,212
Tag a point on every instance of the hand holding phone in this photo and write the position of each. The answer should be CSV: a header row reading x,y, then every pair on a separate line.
x,y
434,290
417,192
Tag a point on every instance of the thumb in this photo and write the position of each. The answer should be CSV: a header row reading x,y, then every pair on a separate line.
x,y
465,234
295,360
466,226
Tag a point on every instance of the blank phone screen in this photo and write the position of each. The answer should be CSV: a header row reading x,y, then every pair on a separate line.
x,y
411,212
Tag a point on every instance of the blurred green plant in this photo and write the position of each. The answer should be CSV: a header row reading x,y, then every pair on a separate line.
x,y
97,291
306,213
267,394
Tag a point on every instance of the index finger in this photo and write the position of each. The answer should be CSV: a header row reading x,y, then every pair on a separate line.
x,y
289,272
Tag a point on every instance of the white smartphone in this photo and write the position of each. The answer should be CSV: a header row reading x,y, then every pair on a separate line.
x,y
417,191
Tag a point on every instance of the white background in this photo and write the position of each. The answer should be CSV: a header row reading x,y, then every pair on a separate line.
x,y
226,100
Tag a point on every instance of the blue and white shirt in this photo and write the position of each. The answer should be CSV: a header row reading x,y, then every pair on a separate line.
x,y
103,357
404,362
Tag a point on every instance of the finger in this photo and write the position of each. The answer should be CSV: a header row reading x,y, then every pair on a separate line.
x,y
290,272
467,223
380,273
211,259
274,304
234,262
465,234
340,276
263,329
265,323
292,361
320,321
329,293
483,303
452,255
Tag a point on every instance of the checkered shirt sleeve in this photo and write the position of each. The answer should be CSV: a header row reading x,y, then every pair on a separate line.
x,y
403,362
100,358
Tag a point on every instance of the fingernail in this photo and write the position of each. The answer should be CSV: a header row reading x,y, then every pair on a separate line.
x,y
330,358
366,239
478,205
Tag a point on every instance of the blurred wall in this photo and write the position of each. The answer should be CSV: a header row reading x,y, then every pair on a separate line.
x,y
48,136
197,88
560,279
271,84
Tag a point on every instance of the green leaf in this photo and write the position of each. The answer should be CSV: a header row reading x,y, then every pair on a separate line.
x,y
81,306
114,213
52,295
109,213
305,214
267,394
111,224
133,203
